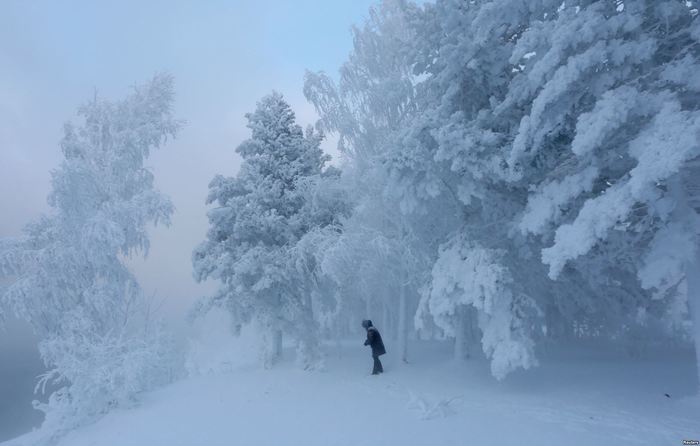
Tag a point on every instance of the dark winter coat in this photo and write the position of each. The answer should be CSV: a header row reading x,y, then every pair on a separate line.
x,y
374,340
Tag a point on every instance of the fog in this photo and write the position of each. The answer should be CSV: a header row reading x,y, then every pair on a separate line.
x,y
223,55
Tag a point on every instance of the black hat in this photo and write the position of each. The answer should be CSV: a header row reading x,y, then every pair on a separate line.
x,y
367,323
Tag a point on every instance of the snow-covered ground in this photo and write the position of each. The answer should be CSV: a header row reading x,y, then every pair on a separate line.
x,y
575,399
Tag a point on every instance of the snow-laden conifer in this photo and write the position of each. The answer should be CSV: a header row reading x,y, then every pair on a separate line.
x,y
563,135
259,217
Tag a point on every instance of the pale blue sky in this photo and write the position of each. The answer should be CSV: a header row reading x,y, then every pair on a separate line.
x,y
224,56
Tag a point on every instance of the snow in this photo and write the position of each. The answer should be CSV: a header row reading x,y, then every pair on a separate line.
x,y
582,398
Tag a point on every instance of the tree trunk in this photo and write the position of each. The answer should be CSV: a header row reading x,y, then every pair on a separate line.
x,y
402,326
692,278
368,308
472,331
308,355
385,317
684,212
276,350
460,349
271,347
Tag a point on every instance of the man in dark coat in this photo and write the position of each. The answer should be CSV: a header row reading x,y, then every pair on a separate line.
x,y
374,340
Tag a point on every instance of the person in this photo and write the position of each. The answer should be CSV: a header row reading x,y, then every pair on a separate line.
x,y
374,340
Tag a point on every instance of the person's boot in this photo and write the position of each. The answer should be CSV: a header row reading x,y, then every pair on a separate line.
x,y
377,369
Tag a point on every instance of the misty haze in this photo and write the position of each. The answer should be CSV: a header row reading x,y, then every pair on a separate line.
x,y
350,222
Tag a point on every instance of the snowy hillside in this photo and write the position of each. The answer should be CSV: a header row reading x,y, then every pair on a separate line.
x,y
432,401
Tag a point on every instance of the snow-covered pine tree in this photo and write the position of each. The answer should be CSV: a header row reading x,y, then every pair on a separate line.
x,y
509,93
374,108
567,122
610,145
260,216
67,277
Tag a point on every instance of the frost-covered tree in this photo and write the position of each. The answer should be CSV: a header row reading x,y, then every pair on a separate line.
x,y
260,216
397,143
379,252
609,145
67,275
562,136
564,120
376,263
